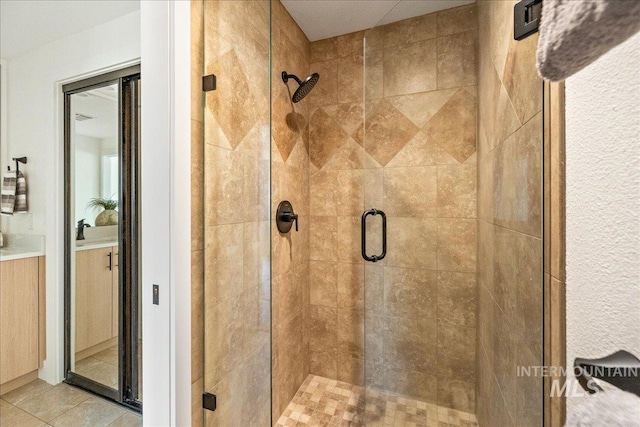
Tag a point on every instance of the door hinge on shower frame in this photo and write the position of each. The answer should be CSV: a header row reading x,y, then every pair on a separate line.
x,y
209,401
209,83
526,18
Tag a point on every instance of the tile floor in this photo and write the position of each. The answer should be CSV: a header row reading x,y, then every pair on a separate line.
x,y
41,404
101,367
324,402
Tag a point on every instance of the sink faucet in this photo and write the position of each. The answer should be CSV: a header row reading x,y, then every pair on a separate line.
x,y
81,226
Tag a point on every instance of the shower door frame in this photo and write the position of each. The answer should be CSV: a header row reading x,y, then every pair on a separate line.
x,y
554,316
128,80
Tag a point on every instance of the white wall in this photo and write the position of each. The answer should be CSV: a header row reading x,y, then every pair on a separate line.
x,y
87,169
603,206
35,130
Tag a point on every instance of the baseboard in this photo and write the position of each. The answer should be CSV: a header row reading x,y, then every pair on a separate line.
x,y
18,382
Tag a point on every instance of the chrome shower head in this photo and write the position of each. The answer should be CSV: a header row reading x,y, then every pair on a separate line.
x,y
304,86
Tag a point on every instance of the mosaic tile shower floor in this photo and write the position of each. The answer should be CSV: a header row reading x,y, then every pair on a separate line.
x,y
324,402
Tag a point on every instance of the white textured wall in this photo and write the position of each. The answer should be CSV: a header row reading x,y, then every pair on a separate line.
x,y
33,110
603,206
35,130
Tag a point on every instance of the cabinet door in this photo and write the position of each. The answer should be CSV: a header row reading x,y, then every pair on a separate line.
x,y
94,289
18,318
115,318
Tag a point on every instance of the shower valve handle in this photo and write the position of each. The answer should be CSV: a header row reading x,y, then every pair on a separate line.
x,y
290,217
285,217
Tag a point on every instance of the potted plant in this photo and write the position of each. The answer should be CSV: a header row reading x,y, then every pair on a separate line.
x,y
109,216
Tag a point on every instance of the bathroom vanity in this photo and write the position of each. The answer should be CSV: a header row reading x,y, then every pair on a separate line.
x,y
22,314
96,296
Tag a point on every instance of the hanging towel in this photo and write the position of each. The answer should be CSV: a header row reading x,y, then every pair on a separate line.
x,y
611,408
9,184
573,33
21,194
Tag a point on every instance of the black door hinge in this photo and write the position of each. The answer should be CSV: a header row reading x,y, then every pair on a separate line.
x,y
209,83
526,18
209,401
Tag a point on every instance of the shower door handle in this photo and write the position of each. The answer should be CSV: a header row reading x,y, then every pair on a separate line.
x,y
365,214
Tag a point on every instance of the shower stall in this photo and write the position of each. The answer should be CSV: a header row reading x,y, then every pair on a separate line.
x,y
367,241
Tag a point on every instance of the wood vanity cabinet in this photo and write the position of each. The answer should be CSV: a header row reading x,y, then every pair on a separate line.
x,y
22,320
96,296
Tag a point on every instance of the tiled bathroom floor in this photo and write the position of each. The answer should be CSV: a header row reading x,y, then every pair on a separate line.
x,y
101,367
324,402
41,404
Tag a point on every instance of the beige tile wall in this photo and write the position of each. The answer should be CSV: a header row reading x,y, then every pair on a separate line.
x,y
510,283
289,181
237,241
415,159
415,91
231,263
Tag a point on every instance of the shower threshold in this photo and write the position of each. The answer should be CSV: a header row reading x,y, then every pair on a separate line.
x,y
324,402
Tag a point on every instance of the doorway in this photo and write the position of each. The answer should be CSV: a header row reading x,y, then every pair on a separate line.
x,y
103,347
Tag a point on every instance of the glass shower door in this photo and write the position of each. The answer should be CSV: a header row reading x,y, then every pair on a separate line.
x,y
420,304
463,218
237,300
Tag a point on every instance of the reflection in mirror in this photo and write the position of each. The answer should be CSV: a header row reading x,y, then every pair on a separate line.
x,y
95,139
95,170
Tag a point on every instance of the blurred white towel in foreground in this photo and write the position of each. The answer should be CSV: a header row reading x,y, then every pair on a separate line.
x,y
611,408
573,34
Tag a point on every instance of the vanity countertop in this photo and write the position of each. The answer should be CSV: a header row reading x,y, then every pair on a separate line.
x,y
18,246
85,245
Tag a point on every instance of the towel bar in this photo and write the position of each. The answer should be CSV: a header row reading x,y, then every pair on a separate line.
x,y
621,369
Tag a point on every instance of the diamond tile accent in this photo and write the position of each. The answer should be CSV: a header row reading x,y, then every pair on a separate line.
x,y
232,103
324,402
288,124
387,132
325,136
350,116
420,151
453,127
351,156
420,107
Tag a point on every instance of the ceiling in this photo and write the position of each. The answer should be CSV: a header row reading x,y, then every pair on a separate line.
x,y
26,25
321,19
102,105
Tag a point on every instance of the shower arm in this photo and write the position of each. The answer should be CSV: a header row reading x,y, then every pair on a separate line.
x,y
286,77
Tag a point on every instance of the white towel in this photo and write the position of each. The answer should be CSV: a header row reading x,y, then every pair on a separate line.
x,y
573,33
9,184
21,194
613,408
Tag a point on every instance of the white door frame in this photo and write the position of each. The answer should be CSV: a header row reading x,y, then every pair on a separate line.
x,y
166,211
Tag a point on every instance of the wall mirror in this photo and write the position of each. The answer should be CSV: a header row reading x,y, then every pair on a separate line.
x,y
103,335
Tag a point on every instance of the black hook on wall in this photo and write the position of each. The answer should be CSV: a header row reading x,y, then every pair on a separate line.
x,y
18,160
